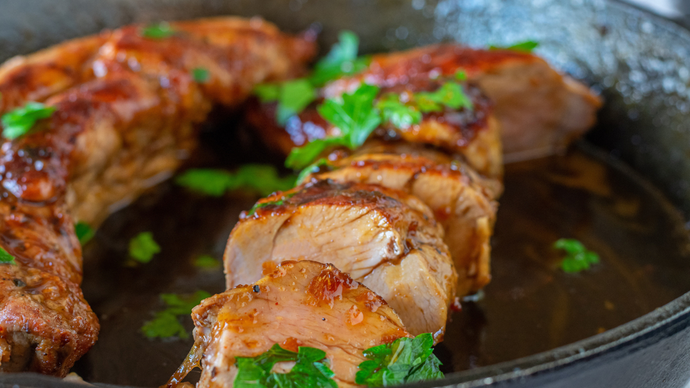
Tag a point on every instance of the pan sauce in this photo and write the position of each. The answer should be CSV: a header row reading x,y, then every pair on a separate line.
x,y
531,305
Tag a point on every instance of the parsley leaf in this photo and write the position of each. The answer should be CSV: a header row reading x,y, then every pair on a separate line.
x,y
206,261
166,323
310,369
314,167
84,232
293,98
260,178
200,75
157,31
460,75
450,94
356,118
341,60
6,258
403,361
577,258
19,121
143,247
267,92
524,47
397,113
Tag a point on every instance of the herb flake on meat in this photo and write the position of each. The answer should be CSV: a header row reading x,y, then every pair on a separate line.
x,y
406,360
157,31
20,121
259,178
84,232
5,257
311,369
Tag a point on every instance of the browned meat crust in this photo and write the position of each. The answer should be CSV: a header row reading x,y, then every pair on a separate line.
x,y
301,303
124,127
462,201
386,239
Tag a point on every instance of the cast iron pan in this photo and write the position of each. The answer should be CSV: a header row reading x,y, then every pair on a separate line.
x,y
623,191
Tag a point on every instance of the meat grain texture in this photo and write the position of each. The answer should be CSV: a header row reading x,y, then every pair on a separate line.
x,y
301,303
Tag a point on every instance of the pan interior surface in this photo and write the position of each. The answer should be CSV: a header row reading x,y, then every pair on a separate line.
x,y
638,62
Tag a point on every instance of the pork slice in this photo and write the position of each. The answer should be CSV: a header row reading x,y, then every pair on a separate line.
x,y
385,239
462,202
540,110
302,303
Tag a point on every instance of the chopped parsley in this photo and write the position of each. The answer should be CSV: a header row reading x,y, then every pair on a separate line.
x,y
311,369
406,360
293,98
166,323
460,75
578,258
143,247
314,167
450,95
356,118
341,60
295,95
200,75
5,257
157,31
398,113
259,178
523,47
18,122
84,232
206,262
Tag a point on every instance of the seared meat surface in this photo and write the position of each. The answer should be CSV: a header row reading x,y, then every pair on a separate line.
x,y
125,127
302,303
462,201
540,110
473,133
385,239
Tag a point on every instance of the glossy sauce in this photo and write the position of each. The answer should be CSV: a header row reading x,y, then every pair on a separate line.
x,y
530,305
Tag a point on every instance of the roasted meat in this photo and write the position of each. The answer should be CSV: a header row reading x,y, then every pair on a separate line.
x,y
385,239
540,110
462,201
122,129
472,133
302,303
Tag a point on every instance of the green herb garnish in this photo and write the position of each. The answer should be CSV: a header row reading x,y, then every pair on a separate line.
x,y
356,118
259,178
143,247
398,113
19,121
294,97
341,60
406,360
310,370
201,75
460,75
206,261
166,323
157,31
577,258
314,167
450,94
84,232
6,258
524,47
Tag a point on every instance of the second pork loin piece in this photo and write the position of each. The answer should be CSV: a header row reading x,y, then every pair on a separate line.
x,y
301,303
540,110
385,239
462,201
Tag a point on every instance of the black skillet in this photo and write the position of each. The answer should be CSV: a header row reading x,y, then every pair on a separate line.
x,y
625,192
